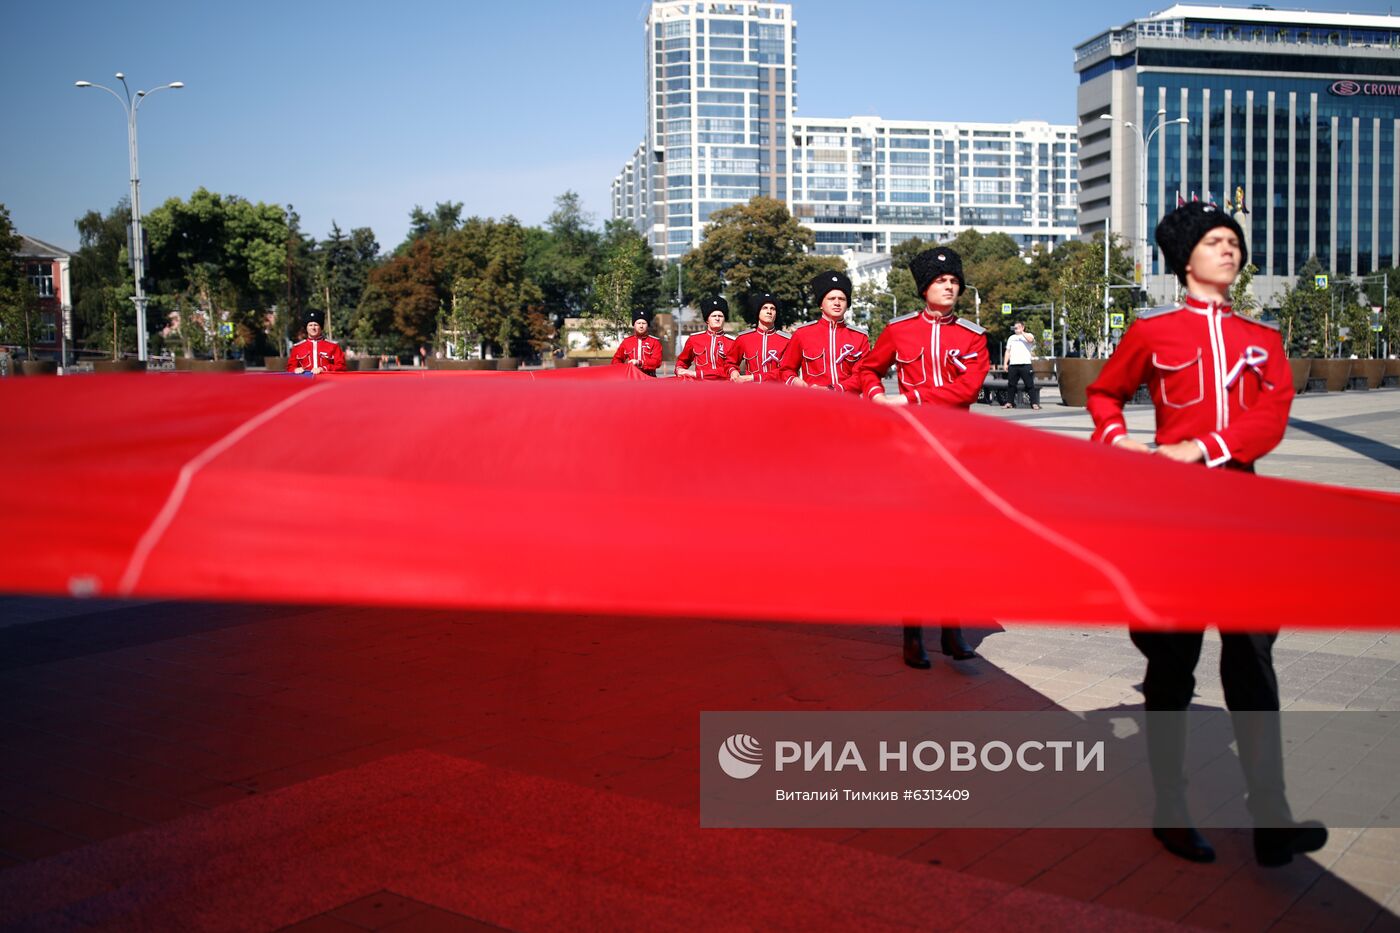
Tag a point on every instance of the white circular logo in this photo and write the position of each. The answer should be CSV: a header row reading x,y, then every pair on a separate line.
x,y
740,756
1345,88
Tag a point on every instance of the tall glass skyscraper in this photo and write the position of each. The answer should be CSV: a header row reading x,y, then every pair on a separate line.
x,y
722,128
1299,111
719,92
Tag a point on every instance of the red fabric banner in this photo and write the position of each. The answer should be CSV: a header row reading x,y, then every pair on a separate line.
x,y
600,490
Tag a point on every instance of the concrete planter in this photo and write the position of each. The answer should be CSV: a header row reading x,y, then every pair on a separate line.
x,y
1335,372
507,363
1300,368
35,368
119,366
567,362
275,364
216,366
435,363
480,365
363,364
1373,370
1076,374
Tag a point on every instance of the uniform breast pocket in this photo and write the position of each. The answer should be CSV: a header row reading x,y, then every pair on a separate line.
x,y
912,371
814,365
750,362
702,357
1181,384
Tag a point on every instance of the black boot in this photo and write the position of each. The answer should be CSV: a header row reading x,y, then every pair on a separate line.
x,y
1275,846
1277,837
914,654
1171,817
955,645
1185,842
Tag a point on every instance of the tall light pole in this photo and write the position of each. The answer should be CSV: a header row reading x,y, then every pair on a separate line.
x,y
976,302
1158,122
138,247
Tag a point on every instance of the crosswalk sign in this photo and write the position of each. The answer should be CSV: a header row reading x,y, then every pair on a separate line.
x,y
226,328
1006,307
1115,320
1320,283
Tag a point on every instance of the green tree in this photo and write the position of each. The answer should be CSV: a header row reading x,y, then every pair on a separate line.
x,y
342,265
565,257
490,294
1303,312
754,247
221,260
104,317
405,294
445,218
1241,297
1079,290
19,306
629,282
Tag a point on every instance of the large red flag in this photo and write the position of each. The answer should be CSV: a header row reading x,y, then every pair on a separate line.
x,y
604,491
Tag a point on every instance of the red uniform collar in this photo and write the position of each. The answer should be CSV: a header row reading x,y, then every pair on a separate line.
x,y
934,317
1202,306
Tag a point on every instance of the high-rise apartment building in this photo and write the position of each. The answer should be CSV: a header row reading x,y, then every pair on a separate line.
x,y
867,184
1298,110
719,92
722,128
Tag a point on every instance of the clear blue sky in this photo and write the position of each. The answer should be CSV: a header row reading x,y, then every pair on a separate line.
x,y
356,111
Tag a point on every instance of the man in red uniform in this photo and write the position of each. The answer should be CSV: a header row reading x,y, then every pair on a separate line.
x,y
759,349
824,353
1222,389
316,354
638,348
710,353
939,359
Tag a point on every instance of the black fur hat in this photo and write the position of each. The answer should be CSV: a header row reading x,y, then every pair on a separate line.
x,y
710,305
758,300
315,315
932,263
641,316
828,282
1183,228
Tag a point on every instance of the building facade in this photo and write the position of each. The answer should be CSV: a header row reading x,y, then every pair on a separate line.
x,y
49,272
1297,112
867,184
722,128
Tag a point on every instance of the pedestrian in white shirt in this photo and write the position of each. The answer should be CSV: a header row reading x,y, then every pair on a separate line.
x,y
1020,353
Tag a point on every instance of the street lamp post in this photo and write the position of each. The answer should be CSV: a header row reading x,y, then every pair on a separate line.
x,y
1158,122
976,302
138,246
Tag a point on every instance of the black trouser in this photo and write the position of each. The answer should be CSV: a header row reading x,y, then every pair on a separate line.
x,y
1247,675
1024,372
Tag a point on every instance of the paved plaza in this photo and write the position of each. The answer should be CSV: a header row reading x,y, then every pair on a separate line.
x,y
210,766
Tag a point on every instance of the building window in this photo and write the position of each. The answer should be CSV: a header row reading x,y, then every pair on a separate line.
x,y
41,277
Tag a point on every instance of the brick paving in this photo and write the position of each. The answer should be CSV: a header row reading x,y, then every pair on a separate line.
x,y
132,733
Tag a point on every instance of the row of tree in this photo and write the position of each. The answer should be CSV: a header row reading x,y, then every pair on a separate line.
x,y
229,274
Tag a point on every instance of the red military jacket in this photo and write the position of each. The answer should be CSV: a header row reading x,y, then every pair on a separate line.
x,y
309,354
939,360
712,353
760,351
1216,378
825,355
646,349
